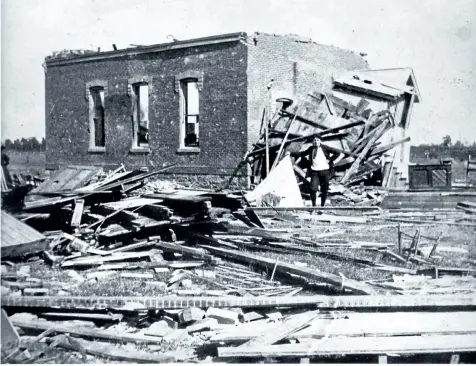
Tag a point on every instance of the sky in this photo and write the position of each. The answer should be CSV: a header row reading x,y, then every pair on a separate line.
x,y
435,37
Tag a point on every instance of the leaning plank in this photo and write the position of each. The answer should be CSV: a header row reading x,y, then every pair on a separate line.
x,y
356,286
283,142
361,345
353,168
288,327
85,332
385,148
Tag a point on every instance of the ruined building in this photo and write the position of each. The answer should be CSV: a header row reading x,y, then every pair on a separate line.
x,y
198,103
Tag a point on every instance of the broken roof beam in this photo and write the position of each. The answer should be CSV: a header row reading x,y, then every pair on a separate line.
x,y
355,165
317,134
383,149
310,274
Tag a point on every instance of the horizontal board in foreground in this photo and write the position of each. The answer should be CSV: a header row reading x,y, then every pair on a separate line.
x,y
355,346
180,302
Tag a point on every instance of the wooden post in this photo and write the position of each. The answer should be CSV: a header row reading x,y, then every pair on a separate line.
x,y
433,250
267,145
388,175
382,359
417,241
77,213
454,358
399,239
274,269
283,143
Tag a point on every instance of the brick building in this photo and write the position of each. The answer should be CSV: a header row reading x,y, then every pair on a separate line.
x,y
197,103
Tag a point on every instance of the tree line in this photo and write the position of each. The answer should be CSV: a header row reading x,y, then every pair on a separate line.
x,y
25,144
448,143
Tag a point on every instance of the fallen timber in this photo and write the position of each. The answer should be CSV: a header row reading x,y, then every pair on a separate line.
x,y
177,302
84,332
385,324
356,286
361,345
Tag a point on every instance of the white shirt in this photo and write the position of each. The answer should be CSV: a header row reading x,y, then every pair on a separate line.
x,y
319,162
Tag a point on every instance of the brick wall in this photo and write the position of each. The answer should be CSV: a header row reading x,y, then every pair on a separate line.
x,y
297,66
223,109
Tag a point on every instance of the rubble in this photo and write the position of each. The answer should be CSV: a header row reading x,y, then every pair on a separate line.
x,y
176,270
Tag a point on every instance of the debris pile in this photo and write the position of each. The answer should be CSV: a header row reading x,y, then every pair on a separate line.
x,y
361,140
100,266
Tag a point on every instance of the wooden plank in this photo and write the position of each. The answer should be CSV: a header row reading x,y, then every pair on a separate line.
x,y
355,286
385,148
283,330
319,134
318,301
98,260
40,324
188,251
433,249
285,138
361,345
353,168
315,208
367,325
78,213
131,203
67,179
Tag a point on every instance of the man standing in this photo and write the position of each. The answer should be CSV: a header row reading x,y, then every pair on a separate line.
x,y
321,167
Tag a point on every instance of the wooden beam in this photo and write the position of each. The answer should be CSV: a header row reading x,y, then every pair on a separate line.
x,y
78,213
315,208
174,302
317,134
40,324
433,249
356,286
385,148
360,345
187,251
283,142
355,165
366,324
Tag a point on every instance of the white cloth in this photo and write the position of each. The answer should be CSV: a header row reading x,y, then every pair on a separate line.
x,y
319,162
